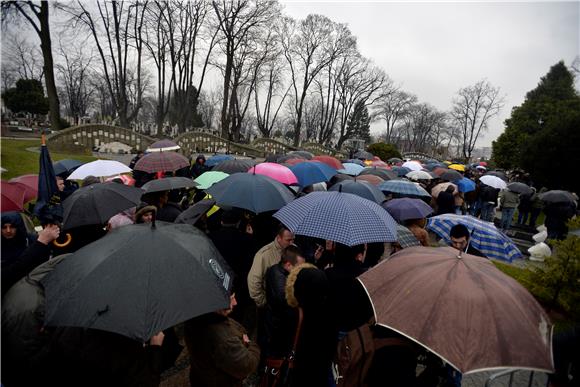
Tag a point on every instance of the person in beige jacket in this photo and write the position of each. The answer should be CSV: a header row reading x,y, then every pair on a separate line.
x,y
267,256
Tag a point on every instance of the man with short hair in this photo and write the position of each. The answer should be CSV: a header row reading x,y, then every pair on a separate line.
x,y
459,235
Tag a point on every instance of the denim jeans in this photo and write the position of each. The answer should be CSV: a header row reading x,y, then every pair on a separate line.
x,y
506,218
534,216
523,217
487,211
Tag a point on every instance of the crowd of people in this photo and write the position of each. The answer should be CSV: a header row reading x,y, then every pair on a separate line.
x,y
298,316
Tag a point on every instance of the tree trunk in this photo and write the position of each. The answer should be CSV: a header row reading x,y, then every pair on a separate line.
x,y
225,108
46,47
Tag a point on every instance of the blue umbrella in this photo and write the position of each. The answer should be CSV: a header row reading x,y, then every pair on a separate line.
x,y
432,166
216,159
401,171
351,169
364,189
48,208
484,235
465,185
312,172
339,217
407,208
403,189
253,192
66,166
355,161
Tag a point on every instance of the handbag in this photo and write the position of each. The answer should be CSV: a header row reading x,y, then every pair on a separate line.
x,y
278,372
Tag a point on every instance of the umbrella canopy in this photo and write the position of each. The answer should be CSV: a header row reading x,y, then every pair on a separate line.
x,y
282,159
520,188
332,162
256,193
379,164
355,161
30,185
340,217
384,174
394,160
234,166
419,175
484,235
195,212
499,174
301,153
99,168
276,171
465,185
407,208
463,309
66,166
413,165
138,280
309,173
351,169
400,171
373,179
168,184
161,162
216,159
457,167
293,161
557,196
433,165
439,170
363,155
207,179
364,189
163,146
403,188
97,203
451,175
406,238
435,191
493,181
12,196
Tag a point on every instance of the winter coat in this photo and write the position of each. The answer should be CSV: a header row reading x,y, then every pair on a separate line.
x,y
169,212
509,199
217,352
557,215
267,256
445,203
525,203
198,168
489,194
34,255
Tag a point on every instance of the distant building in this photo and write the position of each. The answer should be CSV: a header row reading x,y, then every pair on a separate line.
x,y
481,153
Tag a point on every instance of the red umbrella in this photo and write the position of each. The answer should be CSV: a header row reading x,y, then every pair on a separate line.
x,y
461,308
439,171
12,197
30,185
330,161
161,162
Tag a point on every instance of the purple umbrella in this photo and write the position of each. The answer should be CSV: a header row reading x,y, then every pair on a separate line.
x,y
407,208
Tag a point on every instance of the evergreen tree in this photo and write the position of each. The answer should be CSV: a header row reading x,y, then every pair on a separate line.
x,y
359,122
27,96
542,136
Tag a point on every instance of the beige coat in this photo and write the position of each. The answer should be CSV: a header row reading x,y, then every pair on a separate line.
x,y
266,257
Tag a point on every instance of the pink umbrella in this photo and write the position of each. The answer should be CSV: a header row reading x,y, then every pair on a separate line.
x,y
277,172
12,196
30,185
380,164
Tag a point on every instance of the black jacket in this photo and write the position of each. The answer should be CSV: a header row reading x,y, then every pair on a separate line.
x,y
281,319
33,256
489,194
445,203
169,212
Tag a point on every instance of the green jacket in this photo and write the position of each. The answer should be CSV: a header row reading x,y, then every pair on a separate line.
x,y
509,199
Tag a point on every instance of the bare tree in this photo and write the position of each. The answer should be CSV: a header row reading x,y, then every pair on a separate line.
x,y
472,109
20,60
419,128
392,107
208,102
37,16
309,46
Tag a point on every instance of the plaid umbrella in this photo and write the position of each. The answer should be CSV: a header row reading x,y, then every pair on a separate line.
x,y
403,188
163,146
161,162
406,238
339,217
484,235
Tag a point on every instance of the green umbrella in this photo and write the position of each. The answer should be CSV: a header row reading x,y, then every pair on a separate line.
x,y
207,179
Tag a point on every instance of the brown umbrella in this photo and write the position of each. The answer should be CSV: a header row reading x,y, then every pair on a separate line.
x,y
374,180
435,191
461,308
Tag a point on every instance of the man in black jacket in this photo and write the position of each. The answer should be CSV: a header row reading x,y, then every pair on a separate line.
x,y
488,196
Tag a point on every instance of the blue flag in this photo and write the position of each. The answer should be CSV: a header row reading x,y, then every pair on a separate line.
x,y
48,208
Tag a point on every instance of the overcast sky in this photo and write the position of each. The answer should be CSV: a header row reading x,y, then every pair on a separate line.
x,y
432,49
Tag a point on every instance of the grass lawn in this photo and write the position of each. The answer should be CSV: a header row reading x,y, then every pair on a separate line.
x,y
18,161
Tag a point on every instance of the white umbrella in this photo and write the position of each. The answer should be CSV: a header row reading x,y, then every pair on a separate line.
x,y
99,168
413,165
419,175
493,181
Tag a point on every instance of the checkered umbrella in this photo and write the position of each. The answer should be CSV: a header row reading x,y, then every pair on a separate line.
x,y
339,217
161,162
484,235
406,238
403,189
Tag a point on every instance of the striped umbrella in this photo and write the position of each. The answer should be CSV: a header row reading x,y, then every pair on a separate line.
x,y
403,188
160,162
340,217
484,235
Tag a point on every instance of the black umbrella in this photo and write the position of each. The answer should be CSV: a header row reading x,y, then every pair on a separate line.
x,y
384,174
557,196
304,154
66,166
253,192
168,183
234,166
520,188
451,175
97,203
363,155
364,189
283,159
193,213
138,280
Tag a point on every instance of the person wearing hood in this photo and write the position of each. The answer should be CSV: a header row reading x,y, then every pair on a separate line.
x,y
145,213
15,238
199,166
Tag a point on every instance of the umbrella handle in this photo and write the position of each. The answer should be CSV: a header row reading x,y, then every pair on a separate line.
x,y
65,243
